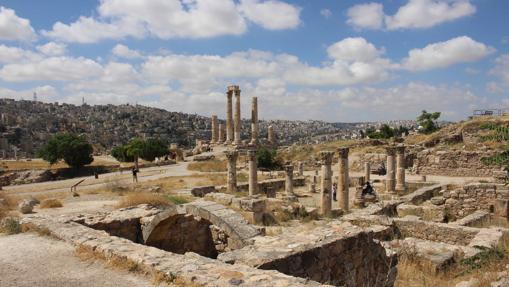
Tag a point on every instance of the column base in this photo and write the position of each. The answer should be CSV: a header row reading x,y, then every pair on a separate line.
x,y
401,188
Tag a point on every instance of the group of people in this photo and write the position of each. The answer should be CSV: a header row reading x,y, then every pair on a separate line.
x,y
366,189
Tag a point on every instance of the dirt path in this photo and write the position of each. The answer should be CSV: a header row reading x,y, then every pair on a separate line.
x,y
28,260
89,183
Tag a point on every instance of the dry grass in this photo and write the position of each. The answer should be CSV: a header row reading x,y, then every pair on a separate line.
x,y
137,198
9,203
10,225
484,267
41,164
51,203
208,166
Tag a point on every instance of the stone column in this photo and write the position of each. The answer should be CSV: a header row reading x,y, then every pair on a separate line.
x,y
343,184
237,116
254,121
215,131
326,183
289,179
390,178
221,134
400,168
253,172
367,171
300,166
229,115
231,180
270,135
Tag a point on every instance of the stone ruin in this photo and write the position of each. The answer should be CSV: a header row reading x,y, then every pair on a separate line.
x,y
225,239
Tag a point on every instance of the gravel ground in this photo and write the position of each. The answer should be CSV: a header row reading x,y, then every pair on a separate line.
x,y
31,260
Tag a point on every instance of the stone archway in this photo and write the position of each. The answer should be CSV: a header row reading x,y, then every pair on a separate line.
x,y
183,233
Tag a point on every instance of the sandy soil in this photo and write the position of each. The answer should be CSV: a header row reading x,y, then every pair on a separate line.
x,y
31,260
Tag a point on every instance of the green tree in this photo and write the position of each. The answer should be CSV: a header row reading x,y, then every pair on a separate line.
x,y
267,158
73,149
428,122
385,132
138,148
120,154
153,148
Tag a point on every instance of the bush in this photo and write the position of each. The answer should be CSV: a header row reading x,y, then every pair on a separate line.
x,y
137,198
10,225
73,149
267,159
51,203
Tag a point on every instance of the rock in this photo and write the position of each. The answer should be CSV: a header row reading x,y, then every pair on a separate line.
x,y
203,157
437,200
25,207
470,283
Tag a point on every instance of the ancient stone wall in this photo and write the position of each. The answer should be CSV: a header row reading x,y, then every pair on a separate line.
x,y
452,163
339,255
476,196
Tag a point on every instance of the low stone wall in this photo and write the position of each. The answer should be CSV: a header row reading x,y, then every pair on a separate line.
x,y
473,219
189,269
422,194
477,196
337,254
453,163
410,226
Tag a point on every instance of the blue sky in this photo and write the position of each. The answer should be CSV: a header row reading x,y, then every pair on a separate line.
x,y
322,59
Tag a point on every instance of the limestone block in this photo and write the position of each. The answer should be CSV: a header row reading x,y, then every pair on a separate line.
x,y
254,205
502,207
253,217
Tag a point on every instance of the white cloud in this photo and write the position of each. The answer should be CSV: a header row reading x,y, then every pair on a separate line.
x,y
14,55
428,13
53,49
406,101
443,54
354,49
501,69
415,14
272,14
326,13
369,15
14,28
124,52
51,69
89,30
168,19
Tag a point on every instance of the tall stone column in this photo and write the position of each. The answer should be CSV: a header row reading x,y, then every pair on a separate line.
x,y
229,115
400,168
231,180
289,179
237,116
343,184
253,172
367,171
390,178
221,134
270,135
254,121
326,183
215,131
300,166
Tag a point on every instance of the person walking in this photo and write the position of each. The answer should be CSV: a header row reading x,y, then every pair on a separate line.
x,y
334,191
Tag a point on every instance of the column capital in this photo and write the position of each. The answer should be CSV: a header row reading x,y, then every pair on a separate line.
x,y
231,154
390,150
233,88
343,152
326,157
400,149
289,168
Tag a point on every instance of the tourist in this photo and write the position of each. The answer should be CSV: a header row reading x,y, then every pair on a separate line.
x,y
334,191
135,175
368,189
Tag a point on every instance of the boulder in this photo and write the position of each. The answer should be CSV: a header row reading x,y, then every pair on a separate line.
x,y
25,207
